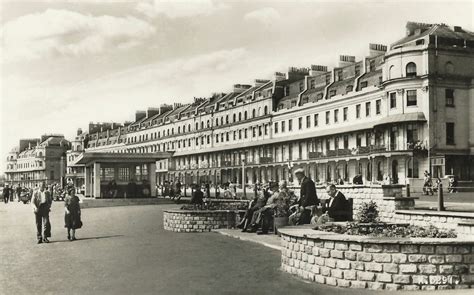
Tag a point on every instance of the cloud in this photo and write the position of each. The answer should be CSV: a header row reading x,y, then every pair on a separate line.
x,y
267,16
179,8
66,33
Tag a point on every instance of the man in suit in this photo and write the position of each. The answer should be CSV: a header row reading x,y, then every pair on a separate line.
x,y
198,196
41,202
307,199
337,208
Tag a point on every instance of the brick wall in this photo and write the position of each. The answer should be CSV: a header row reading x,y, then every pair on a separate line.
x,y
461,222
355,263
197,221
387,197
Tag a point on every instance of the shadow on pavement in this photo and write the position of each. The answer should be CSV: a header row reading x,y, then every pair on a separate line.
x,y
88,238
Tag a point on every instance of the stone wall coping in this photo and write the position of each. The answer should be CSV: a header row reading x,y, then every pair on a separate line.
x,y
345,186
315,235
400,198
200,211
437,213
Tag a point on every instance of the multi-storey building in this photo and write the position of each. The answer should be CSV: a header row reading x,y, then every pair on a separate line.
x,y
392,115
37,160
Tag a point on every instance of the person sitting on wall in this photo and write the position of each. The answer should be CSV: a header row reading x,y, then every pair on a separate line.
x,y
247,223
198,196
357,179
336,208
307,200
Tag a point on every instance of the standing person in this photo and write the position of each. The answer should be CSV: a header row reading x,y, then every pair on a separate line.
x,y
41,202
72,216
18,192
208,190
6,193
307,199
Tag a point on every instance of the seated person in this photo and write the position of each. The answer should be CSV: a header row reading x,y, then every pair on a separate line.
x,y
337,207
248,219
262,217
301,210
198,196
357,179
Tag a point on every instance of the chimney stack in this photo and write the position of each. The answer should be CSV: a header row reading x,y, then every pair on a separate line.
x,y
279,76
239,88
345,60
317,70
79,131
150,112
139,115
376,49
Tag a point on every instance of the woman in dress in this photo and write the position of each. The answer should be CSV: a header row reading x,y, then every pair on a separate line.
x,y
72,218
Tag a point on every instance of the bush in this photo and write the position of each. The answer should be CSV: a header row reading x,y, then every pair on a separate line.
x,y
368,213
388,230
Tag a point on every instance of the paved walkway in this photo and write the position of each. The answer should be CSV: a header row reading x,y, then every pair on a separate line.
x,y
124,250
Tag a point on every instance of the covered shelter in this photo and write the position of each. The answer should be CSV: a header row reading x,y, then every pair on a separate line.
x,y
120,175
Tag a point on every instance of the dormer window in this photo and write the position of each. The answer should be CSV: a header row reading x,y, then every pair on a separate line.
x,y
301,86
311,84
363,84
411,69
332,93
349,88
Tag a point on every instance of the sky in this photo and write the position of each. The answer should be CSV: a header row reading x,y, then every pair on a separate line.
x,y
67,63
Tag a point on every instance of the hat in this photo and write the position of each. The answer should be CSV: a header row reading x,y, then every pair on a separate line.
x,y
299,170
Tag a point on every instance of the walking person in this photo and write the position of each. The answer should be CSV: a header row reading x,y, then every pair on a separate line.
x,y
41,202
72,216
6,194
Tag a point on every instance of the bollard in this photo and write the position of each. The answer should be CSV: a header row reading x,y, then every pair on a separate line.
x,y
408,190
440,198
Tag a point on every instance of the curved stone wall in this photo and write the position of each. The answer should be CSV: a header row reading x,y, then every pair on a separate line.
x,y
198,221
378,263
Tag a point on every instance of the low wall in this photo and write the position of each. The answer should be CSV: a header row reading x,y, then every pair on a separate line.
x,y
388,198
198,221
461,222
98,203
378,263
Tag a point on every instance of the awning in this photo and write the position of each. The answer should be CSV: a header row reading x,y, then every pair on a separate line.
x,y
407,117
88,158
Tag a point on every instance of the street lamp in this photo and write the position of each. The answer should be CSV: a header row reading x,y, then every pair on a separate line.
x,y
243,176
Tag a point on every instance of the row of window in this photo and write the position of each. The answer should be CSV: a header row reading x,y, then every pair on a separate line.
x,y
336,115
235,118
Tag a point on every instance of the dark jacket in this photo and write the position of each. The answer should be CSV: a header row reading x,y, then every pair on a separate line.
x,y
197,197
308,195
339,209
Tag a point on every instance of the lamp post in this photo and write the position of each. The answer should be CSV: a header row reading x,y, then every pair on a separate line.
x,y
243,176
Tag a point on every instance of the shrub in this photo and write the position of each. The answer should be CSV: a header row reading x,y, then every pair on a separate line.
x,y
388,230
368,213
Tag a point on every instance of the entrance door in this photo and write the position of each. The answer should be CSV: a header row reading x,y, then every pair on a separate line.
x,y
395,171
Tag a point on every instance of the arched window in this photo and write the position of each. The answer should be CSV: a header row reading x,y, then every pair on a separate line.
x,y
253,113
411,69
227,119
197,126
391,73
222,120
449,67
245,115
202,124
208,124
265,110
240,116
189,128
217,122
234,118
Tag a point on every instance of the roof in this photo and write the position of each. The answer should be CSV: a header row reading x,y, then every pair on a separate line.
x,y
88,158
439,30
407,117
